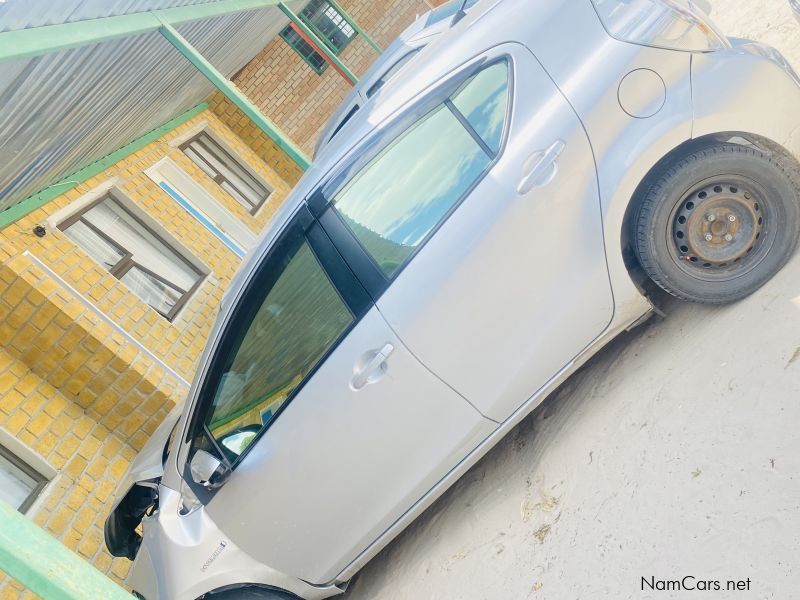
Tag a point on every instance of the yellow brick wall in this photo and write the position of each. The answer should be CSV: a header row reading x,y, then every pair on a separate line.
x,y
255,138
76,391
89,457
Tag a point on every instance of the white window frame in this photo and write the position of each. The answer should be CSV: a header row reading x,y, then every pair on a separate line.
x,y
205,129
109,189
24,455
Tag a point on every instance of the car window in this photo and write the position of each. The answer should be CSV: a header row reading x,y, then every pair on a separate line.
x,y
289,327
391,72
400,196
483,101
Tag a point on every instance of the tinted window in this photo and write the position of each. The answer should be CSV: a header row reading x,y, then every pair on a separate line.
x,y
291,326
483,101
401,195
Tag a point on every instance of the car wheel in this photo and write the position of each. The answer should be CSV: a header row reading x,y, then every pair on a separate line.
x,y
251,593
719,223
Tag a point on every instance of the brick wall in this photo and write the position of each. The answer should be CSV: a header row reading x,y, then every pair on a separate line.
x,y
299,100
73,389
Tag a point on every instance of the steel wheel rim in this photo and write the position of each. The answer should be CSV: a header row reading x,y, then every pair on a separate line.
x,y
721,228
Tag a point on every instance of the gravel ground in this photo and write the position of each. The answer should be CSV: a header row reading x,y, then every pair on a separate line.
x,y
673,453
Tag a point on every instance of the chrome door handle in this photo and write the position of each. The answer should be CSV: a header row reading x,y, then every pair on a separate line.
x,y
541,168
366,374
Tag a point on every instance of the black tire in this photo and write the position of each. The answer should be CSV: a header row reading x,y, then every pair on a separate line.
x,y
251,593
718,223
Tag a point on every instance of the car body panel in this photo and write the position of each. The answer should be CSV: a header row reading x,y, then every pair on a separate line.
x,y
795,4
148,464
374,452
515,283
194,556
762,78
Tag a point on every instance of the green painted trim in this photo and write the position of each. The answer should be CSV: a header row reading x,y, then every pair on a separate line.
x,y
356,26
341,67
35,41
36,201
234,95
45,566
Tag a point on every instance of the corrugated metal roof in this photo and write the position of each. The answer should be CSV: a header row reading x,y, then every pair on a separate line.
x,y
63,111
21,14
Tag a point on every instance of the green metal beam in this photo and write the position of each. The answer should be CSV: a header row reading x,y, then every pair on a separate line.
x,y
36,201
36,41
356,26
340,66
234,95
46,567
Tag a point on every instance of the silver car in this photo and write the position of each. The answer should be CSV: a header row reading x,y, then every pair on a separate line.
x,y
497,212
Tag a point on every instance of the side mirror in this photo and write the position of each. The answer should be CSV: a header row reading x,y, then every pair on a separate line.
x,y
208,470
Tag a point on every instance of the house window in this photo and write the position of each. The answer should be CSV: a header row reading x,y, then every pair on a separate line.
x,y
229,172
135,254
20,484
331,26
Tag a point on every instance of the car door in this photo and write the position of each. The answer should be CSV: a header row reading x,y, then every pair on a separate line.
x,y
330,427
478,231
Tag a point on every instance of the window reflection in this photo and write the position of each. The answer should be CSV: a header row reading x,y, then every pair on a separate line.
x,y
483,101
398,199
298,320
400,196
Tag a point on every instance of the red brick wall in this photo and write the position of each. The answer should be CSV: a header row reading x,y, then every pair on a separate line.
x,y
298,100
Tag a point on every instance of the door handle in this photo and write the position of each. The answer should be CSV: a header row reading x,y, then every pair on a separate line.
x,y
366,374
541,168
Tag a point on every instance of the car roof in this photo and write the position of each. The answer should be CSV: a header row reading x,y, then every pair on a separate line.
x,y
420,33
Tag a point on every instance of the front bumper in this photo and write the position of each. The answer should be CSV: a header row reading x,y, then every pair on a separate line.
x,y
183,557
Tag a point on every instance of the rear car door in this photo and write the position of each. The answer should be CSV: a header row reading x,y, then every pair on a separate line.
x,y
331,427
478,231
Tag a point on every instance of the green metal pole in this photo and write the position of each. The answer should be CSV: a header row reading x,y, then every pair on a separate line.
x,y
46,567
356,26
319,43
234,95
36,41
